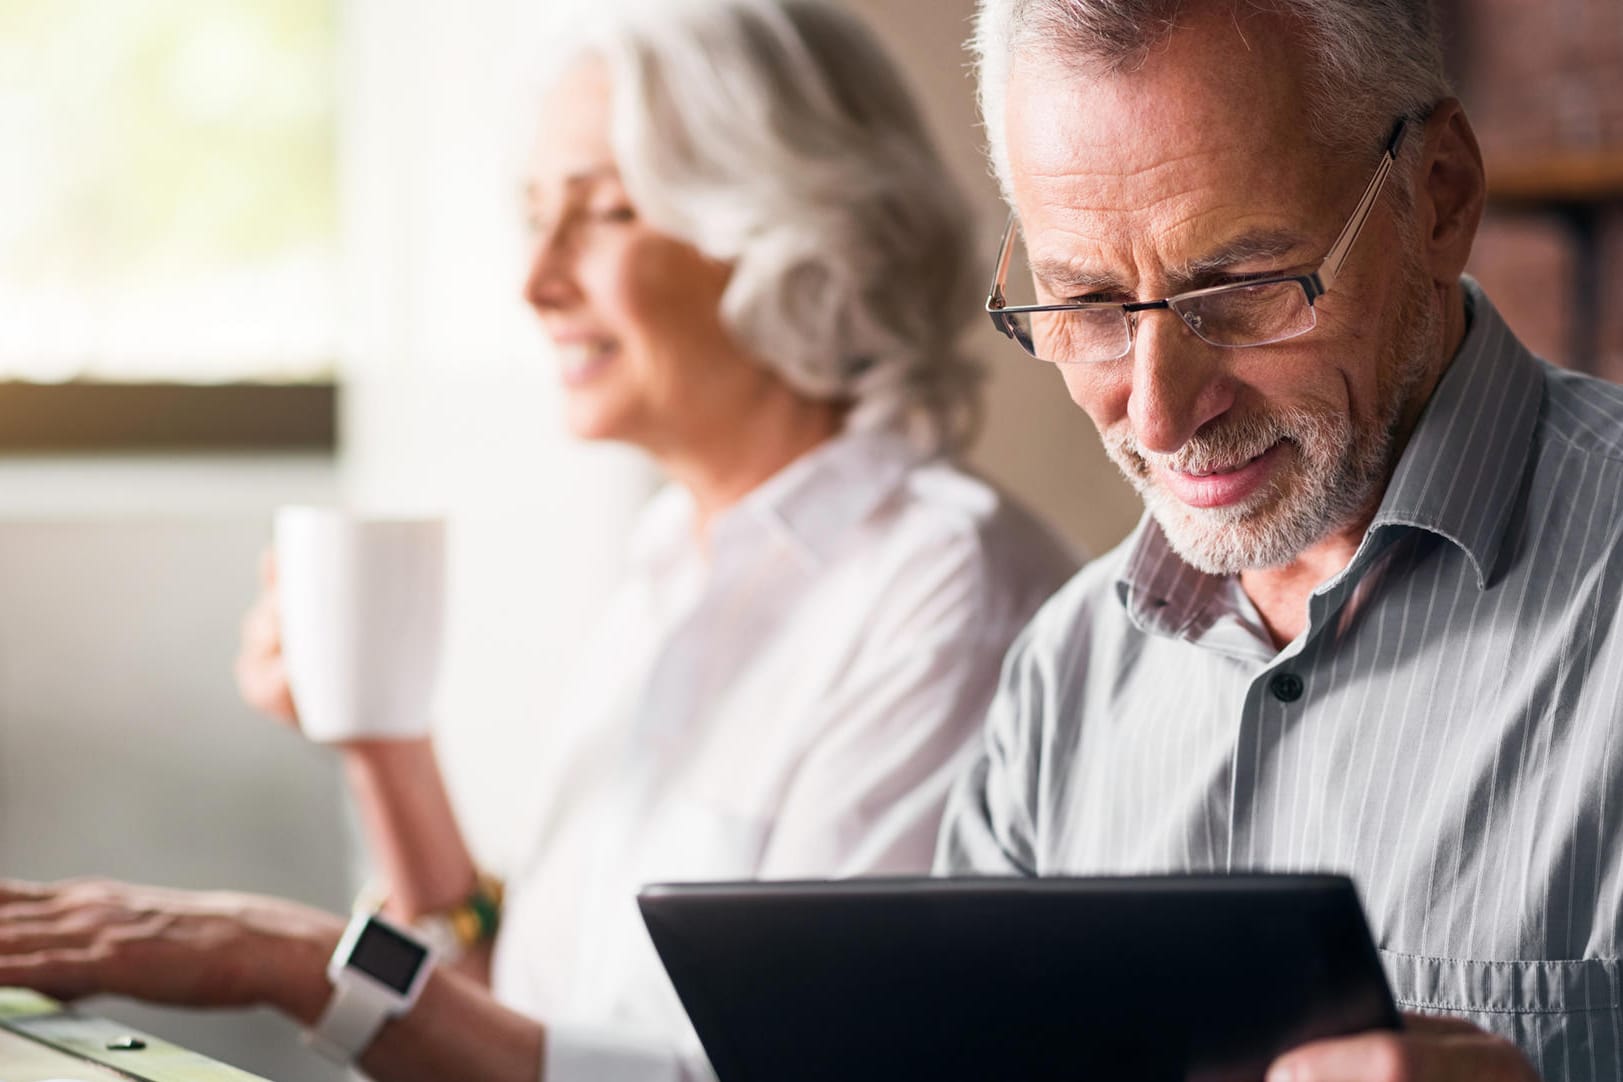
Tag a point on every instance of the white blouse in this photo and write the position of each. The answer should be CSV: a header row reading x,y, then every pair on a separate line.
x,y
791,701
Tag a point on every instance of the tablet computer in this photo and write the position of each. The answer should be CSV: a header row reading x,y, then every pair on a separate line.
x,y
1026,980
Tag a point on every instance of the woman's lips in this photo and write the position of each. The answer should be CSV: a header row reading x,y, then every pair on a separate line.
x,y
1221,489
582,362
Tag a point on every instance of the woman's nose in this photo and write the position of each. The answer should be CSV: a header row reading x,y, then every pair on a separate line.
x,y
550,283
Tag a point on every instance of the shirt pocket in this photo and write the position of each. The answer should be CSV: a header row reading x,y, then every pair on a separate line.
x,y
1565,1015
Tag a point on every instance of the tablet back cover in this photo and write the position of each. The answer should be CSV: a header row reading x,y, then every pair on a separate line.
x,y
1188,977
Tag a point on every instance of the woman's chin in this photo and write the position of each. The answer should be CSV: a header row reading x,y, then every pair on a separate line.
x,y
591,422
589,430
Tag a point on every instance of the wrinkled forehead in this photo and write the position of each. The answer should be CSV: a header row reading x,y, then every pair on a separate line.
x,y
1206,134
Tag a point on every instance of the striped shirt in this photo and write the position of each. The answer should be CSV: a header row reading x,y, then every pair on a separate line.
x,y
1448,729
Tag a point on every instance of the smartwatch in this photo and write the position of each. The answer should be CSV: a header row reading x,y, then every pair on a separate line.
x,y
377,973
449,933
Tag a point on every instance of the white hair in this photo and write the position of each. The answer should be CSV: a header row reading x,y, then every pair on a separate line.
x,y
1371,60
777,136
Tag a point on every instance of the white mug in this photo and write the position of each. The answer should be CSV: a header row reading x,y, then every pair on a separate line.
x,y
363,607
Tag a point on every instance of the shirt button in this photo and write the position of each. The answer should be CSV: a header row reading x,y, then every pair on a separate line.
x,y
1286,687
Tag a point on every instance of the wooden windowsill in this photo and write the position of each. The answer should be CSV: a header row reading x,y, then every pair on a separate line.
x,y
100,417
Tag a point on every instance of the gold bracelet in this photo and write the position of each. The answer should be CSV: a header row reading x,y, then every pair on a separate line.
x,y
478,917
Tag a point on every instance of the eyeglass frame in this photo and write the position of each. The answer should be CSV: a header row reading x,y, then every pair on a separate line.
x,y
1314,284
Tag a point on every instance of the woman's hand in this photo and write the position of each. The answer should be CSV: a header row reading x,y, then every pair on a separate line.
x,y
261,670
86,937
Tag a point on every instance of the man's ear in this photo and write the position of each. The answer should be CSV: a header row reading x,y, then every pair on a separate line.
x,y
1450,192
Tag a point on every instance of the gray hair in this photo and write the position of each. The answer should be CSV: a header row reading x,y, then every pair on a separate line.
x,y
777,136
1372,60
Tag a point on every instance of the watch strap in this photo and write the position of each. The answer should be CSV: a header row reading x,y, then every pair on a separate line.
x,y
351,1020
377,972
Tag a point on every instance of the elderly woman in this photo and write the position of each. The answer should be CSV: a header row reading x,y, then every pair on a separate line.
x,y
753,266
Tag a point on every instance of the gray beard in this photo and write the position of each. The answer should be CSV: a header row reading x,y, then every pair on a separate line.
x,y
1336,472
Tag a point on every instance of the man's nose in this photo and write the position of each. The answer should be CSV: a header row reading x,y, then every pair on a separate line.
x,y
1178,383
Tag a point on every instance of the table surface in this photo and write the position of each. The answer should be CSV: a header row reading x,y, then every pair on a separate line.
x,y
41,1041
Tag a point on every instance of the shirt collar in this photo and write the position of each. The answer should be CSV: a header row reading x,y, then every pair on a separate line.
x,y
809,505
1458,478
1159,590
1460,473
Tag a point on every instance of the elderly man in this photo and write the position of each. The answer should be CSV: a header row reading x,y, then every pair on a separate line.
x,y
1371,622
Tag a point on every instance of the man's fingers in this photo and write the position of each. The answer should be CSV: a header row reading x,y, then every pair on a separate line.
x,y
1366,1057
1445,1053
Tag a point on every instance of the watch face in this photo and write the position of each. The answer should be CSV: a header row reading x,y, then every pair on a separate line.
x,y
387,956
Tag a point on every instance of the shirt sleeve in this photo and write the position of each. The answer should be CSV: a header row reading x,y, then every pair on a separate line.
x,y
868,795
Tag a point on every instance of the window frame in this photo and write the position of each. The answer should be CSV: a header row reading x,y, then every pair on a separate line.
x,y
97,417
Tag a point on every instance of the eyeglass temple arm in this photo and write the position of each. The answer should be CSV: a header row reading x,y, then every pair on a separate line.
x,y
1331,267
994,296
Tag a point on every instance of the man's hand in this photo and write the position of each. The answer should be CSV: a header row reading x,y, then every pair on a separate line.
x,y
86,937
1427,1050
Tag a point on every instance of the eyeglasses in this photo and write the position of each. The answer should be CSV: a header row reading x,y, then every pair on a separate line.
x,y
1250,313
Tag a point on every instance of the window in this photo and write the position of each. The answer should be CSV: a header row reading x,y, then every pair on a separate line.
x,y
168,212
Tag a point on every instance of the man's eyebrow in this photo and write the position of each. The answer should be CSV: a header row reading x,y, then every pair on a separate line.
x,y
1067,277
1249,248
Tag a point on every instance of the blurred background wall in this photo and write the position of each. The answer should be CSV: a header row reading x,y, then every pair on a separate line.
x,y
1544,86
123,749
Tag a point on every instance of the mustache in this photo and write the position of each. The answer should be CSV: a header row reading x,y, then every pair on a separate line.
x,y
1224,444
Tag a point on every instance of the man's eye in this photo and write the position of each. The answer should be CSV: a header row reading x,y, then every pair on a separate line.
x,y
619,214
